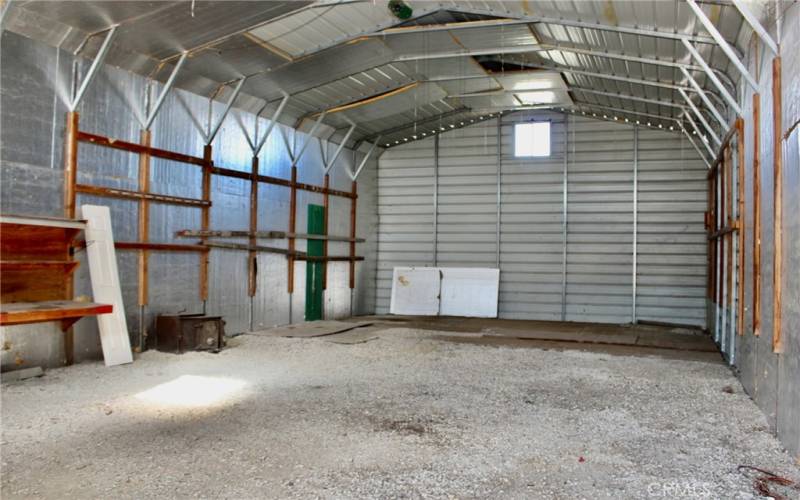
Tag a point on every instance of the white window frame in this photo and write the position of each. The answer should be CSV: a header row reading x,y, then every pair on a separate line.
x,y
549,139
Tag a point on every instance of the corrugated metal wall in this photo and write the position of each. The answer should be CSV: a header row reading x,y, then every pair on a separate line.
x,y
34,82
773,379
596,284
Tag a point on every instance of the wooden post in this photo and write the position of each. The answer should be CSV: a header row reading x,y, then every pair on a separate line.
x,y
740,217
326,205
70,180
144,217
756,215
70,164
144,235
292,220
251,258
353,235
777,133
205,220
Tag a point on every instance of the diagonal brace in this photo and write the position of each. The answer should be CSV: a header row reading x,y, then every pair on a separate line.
x,y
329,164
213,132
354,176
308,138
94,68
167,86
273,121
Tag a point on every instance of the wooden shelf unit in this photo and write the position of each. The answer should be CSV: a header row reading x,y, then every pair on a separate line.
x,y
36,269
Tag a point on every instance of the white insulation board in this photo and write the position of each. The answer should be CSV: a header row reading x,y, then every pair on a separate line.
x,y
447,291
105,285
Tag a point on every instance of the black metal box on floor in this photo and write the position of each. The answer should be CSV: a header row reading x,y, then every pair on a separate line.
x,y
179,333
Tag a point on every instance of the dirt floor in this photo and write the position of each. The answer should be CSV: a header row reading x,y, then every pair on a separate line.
x,y
389,413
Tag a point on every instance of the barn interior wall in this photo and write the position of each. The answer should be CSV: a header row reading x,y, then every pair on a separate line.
x,y
35,79
470,206
773,378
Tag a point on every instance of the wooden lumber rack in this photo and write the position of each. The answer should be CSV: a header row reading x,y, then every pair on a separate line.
x,y
144,197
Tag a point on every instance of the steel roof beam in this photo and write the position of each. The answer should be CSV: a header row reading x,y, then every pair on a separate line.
x,y
726,48
623,110
630,30
757,28
606,76
711,76
628,97
543,47
400,128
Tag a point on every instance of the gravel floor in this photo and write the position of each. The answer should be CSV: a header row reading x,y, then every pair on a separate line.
x,y
404,416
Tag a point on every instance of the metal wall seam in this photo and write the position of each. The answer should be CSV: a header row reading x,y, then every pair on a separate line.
x,y
734,260
564,222
435,199
635,217
499,146
718,275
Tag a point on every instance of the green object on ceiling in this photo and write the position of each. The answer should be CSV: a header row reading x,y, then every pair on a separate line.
x,y
400,9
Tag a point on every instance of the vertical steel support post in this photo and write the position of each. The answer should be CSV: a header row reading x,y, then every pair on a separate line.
x,y
435,198
70,180
635,218
564,197
718,254
144,235
499,160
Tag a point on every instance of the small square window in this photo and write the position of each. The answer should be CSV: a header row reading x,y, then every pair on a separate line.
x,y
532,139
